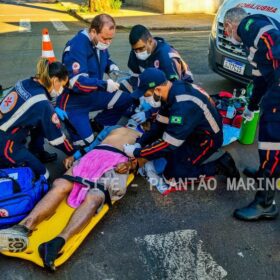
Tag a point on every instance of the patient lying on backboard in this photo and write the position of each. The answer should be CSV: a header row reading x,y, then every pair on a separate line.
x,y
97,177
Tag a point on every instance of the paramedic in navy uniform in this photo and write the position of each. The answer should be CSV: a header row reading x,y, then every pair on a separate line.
x,y
148,51
87,58
260,34
28,106
187,131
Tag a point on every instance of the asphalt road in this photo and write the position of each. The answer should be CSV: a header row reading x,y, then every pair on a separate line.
x,y
186,235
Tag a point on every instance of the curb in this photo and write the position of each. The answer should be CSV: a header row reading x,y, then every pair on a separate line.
x,y
122,27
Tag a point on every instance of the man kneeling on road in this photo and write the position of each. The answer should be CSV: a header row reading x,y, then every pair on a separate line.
x,y
106,165
187,131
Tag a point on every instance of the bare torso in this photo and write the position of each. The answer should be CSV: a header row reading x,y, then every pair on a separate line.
x,y
120,136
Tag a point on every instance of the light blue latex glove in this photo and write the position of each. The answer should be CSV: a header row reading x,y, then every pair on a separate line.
x,y
61,113
129,149
139,117
145,106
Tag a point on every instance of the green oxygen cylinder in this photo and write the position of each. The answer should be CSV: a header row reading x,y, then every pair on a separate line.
x,y
249,128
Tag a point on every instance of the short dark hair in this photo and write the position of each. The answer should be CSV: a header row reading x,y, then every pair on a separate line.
x,y
99,21
139,32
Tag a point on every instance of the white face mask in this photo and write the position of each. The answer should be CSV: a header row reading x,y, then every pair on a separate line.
x,y
55,93
142,55
234,41
152,102
102,46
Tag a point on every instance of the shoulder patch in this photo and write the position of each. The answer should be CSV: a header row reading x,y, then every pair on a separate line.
x,y
4,213
56,120
76,67
156,63
9,102
176,119
248,24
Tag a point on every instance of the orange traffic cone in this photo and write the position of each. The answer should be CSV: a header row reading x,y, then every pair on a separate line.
x,y
47,48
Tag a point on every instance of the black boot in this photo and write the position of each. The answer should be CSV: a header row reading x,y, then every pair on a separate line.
x,y
263,207
225,165
251,172
46,157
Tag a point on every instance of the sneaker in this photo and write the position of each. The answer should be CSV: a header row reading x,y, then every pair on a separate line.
x,y
14,239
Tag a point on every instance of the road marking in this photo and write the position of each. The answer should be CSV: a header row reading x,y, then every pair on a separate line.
x,y
24,25
178,255
59,25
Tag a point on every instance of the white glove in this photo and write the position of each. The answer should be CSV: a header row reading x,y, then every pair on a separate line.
x,y
248,115
112,86
129,149
139,117
114,67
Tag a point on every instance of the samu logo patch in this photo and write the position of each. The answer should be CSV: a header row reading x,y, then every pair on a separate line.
x,y
176,120
9,102
4,213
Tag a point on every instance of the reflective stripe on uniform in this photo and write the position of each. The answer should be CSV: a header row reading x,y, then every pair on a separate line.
x,y
261,32
75,78
254,64
22,109
174,55
127,85
162,119
47,174
57,141
67,49
172,140
252,55
85,142
79,143
272,22
209,117
256,73
114,100
269,146
89,139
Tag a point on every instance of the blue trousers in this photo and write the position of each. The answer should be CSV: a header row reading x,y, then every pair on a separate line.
x,y
269,132
187,161
113,106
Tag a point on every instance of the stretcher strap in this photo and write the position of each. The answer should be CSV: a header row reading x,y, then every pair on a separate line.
x,y
89,184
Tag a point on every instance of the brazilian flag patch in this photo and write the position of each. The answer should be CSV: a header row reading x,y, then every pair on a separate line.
x,y
176,120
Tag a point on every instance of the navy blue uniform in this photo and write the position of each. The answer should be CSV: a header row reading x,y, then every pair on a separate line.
x,y
87,91
187,131
164,57
261,36
26,107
